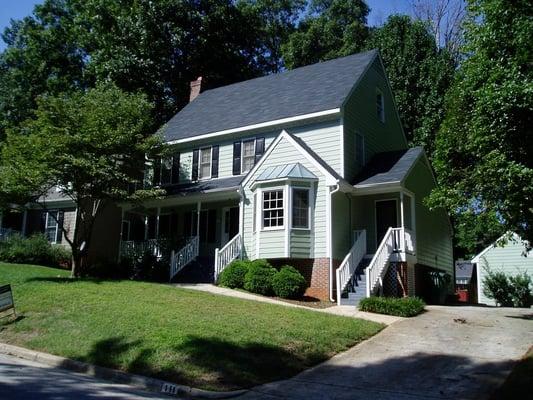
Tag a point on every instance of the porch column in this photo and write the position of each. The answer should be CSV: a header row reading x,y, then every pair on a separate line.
x,y
402,204
198,209
24,222
157,222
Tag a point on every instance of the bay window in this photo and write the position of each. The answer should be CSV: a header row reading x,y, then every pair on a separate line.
x,y
273,209
300,208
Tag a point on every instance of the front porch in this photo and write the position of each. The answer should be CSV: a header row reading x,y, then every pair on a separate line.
x,y
182,230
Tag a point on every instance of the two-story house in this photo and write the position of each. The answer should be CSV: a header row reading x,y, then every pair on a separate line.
x,y
308,167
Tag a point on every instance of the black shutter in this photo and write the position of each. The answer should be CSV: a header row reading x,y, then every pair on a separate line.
x,y
194,173
259,148
237,158
157,172
176,168
60,218
214,162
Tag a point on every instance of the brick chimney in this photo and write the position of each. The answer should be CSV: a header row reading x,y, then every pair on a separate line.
x,y
196,88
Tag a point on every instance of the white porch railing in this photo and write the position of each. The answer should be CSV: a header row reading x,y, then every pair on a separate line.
x,y
180,259
227,254
396,240
351,261
131,248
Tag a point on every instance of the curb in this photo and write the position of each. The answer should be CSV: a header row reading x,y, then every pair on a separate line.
x,y
138,381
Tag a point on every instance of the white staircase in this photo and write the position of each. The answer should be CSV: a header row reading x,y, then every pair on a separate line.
x,y
347,274
187,254
228,253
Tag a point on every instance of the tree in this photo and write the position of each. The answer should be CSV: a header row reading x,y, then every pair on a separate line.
x,y
419,72
330,29
42,57
91,145
484,149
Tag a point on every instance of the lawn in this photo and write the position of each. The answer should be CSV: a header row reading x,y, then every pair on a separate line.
x,y
185,336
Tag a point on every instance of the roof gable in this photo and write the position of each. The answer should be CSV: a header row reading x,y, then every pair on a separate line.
x,y
306,90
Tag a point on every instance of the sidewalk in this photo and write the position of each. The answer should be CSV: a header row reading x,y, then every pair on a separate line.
x,y
345,311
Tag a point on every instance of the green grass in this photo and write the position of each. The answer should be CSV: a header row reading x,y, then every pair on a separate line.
x,y
184,336
518,383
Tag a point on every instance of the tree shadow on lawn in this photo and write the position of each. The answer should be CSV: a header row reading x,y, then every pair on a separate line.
x,y
206,362
225,366
64,279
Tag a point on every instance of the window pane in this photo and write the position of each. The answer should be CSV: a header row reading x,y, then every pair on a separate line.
x,y
248,155
300,208
205,163
273,208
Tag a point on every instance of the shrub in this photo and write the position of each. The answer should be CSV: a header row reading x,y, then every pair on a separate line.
x,y
508,290
233,275
259,277
288,283
400,307
34,250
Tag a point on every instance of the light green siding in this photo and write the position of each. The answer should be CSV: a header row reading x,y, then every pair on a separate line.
x,y
300,244
360,116
433,231
322,137
341,227
273,244
508,258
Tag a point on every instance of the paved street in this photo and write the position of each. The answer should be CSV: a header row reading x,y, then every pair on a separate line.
x,y
445,353
21,380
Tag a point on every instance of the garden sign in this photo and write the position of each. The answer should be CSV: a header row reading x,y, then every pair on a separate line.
x,y
6,299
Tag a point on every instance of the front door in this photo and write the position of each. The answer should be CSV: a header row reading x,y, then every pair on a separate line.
x,y
231,224
386,217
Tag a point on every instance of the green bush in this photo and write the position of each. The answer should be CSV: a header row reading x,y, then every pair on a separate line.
x,y
233,275
508,290
259,277
400,307
288,283
34,250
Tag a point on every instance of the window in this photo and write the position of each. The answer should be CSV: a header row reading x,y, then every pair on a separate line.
x,y
248,155
273,209
360,148
300,208
205,163
380,106
51,226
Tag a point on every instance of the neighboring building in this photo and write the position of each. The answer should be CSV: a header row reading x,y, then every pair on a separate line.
x,y
309,167
508,255
47,216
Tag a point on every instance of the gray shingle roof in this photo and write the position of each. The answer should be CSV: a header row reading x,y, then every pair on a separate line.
x,y
388,167
313,88
294,171
210,186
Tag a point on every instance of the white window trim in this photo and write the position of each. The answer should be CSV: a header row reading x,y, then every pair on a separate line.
x,y
381,116
254,140
309,214
261,208
56,222
204,178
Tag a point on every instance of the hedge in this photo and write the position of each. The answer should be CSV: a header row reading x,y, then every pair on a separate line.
x,y
288,283
400,307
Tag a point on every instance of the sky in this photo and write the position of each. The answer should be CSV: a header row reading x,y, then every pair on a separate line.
x,y
380,9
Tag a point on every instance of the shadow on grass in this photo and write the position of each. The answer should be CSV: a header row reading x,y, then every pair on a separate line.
x,y
212,363
64,279
9,320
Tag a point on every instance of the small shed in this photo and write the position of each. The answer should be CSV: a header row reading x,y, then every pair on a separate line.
x,y
509,254
465,281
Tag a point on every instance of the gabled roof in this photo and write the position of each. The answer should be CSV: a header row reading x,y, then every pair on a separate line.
x,y
290,171
310,89
388,167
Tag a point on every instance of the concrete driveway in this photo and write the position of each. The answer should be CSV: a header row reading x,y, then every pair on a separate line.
x,y
446,353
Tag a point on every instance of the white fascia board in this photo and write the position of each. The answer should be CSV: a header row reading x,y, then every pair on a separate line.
x,y
377,188
267,124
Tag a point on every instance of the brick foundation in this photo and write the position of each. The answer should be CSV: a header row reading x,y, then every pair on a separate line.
x,y
315,272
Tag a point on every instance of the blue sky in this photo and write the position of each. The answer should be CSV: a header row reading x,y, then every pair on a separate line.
x,y
18,9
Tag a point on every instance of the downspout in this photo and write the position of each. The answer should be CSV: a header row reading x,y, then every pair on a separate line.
x,y
330,239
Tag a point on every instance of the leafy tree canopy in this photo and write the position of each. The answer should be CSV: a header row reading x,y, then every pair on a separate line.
x,y
419,72
330,29
484,149
90,145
